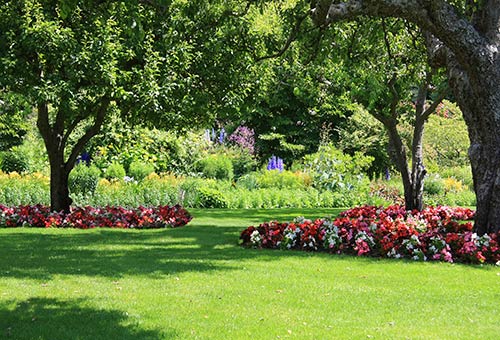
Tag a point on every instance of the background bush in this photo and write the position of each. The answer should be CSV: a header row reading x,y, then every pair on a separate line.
x,y
216,166
83,179
275,179
333,170
140,170
14,161
23,190
115,171
192,192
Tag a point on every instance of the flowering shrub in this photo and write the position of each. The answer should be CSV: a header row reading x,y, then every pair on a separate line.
x,y
244,137
436,233
40,216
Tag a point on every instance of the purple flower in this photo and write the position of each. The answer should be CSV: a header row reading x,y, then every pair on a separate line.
x,y
244,137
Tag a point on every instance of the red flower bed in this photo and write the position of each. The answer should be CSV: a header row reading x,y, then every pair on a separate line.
x,y
440,233
39,216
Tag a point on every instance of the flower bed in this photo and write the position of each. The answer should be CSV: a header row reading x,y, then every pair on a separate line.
x,y
440,233
39,216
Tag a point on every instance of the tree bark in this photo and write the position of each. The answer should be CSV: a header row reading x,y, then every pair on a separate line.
x,y
59,174
479,99
473,63
59,192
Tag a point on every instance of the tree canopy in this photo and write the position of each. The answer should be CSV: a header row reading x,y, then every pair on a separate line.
x,y
75,61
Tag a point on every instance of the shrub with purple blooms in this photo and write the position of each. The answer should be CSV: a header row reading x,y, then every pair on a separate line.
x,y
244,137
434,234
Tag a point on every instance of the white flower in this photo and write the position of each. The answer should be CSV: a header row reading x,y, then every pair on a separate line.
x,y
255,237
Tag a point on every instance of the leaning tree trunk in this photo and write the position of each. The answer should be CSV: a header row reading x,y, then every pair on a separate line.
x,y
411,201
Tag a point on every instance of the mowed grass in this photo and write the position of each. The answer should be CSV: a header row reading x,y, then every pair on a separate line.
x,y
196,282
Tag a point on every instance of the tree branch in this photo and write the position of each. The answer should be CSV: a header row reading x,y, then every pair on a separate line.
x,y
42,123
436,16
71,128
91,132
386,40
441,96
395,96
291,38
317,46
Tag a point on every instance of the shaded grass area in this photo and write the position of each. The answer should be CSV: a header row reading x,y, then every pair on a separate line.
x,y
196,282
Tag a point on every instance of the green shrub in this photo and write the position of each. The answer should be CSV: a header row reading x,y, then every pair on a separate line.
x,y
248,181
243,161
333,170
465,198
14,161
283,179
275,179
33,150
446,138
24,190
115,171
211,198
216,166
83,179
434,185
167,150
139,170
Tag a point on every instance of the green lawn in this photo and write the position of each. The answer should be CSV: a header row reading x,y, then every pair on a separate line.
x,y
197,283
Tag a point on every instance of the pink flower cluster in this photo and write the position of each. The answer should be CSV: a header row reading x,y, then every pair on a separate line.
x,y
436,233
40,216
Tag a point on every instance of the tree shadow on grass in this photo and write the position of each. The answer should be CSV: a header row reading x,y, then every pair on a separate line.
x,y
209,243
118,253
43,318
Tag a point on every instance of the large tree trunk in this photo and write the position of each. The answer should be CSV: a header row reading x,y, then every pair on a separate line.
x,y
53,137
478,95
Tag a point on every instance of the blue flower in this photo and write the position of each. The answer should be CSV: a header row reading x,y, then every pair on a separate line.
x,y
222,136
83,158
275,163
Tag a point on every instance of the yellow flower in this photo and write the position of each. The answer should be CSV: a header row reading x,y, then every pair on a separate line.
x,y
453,185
